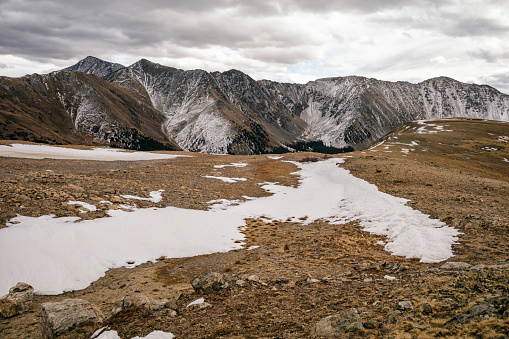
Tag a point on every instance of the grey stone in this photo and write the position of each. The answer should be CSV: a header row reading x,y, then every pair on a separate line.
x,y
393,316
426,309
474,312
214,281
455,265
18,301
337,325
60,317
405,305
146,303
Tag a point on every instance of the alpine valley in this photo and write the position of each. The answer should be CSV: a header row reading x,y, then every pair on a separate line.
x,y
147,106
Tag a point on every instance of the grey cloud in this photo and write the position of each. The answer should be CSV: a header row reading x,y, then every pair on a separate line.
x,y
280,55
461,26
490,56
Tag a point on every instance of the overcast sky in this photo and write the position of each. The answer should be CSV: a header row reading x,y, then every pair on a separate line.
x,y
286,40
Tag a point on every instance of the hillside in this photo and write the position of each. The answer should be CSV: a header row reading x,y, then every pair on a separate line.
x,y
455,170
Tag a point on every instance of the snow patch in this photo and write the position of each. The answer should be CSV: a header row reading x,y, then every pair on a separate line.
x,y
274,157
197,302
233,164
88,207
114,335
225,179
98,154
155,196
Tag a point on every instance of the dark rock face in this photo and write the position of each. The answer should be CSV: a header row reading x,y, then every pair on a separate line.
x,y
150,106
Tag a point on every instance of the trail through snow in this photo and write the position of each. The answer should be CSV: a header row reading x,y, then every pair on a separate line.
x,y
60,254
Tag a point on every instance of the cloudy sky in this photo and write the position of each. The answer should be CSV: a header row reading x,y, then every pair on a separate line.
x,y
285,40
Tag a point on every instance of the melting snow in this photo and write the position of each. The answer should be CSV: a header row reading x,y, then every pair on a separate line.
x,y
233,164
61,254
114,335
274,157
225,179
90,208
433,128
197,302
100,154
487,148
155,196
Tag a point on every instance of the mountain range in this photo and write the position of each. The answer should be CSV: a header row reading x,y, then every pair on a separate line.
x,y
148,106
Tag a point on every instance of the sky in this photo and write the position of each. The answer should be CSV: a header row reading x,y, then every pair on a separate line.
x,y
285,40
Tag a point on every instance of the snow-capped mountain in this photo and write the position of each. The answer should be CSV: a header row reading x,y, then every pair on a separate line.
x,y
229,112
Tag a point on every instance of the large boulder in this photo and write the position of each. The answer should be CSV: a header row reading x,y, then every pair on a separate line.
x,y
63,316
214,281
150,305
338,325
17,301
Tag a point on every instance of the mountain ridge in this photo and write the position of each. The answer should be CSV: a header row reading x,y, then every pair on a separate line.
x,y
230,112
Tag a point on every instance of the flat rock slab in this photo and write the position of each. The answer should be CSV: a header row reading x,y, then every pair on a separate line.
x,y
61,317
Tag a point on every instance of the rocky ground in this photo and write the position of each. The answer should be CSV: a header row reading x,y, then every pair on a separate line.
x,y
299,275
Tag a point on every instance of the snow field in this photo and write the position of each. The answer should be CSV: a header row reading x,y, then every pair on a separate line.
x,y
99,154
61,254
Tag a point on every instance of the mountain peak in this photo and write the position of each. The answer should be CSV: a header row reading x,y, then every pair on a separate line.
x,y
93,65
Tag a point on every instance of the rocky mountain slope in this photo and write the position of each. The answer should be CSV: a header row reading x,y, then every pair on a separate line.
x,y
229,112
78,108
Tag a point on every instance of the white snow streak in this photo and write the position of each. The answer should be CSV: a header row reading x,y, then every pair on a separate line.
x,y
89,207
225,179
233,164
155,196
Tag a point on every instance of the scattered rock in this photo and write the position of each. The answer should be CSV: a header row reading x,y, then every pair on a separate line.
x,y
493,307
405,305
371,325
471,313
214,281
426,309
61,317
393,316
17,301
241,283
337,325
455,265
282,281
150,305
76,188
419,327
117,200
